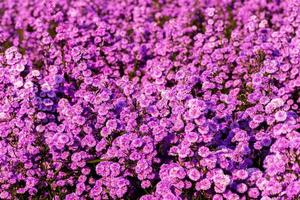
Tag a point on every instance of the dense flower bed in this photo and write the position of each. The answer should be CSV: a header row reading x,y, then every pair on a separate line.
x,y
150,99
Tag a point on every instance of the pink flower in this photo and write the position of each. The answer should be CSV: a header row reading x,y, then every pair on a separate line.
x,y
280,116
194,174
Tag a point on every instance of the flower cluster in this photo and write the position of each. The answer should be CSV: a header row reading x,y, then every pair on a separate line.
x,y
150,99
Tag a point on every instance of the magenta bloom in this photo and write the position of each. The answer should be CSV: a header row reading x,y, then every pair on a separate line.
x,y
149,99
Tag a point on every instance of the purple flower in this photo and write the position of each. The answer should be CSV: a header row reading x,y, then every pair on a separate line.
x,y
183,99
80,188
194,174
204,184
280,116
177,172
241,174
253,193
241,188
192,137
203,151
102,169
63,139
